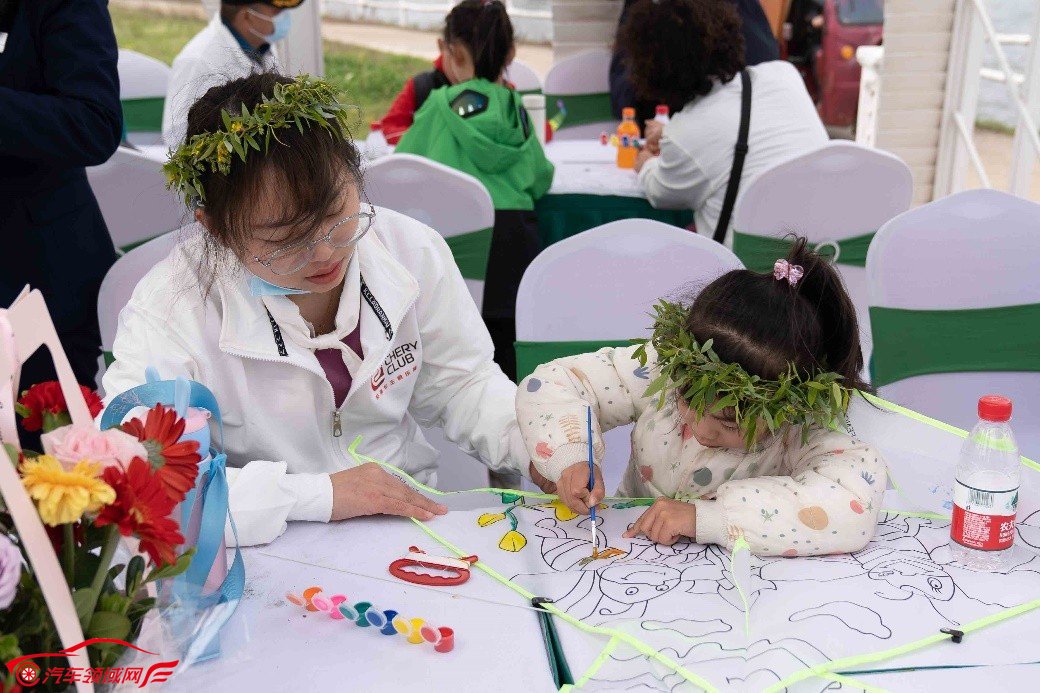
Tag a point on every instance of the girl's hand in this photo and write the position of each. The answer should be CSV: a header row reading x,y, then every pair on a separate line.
x,y
368,490
666,521
573,488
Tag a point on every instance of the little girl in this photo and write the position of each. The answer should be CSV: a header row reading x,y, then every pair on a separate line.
x,y
473,30
733,400
480,127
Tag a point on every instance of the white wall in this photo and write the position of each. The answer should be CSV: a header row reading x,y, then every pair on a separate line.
x,y
531,19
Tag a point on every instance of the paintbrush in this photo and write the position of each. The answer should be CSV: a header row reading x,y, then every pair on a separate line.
x,y
592,483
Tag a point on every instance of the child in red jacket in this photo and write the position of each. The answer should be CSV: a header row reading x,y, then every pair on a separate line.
x,y
467,20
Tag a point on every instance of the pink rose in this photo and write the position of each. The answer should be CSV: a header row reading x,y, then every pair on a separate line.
x,y
70,444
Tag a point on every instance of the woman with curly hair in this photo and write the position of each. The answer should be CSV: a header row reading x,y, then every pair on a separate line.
x,y
688,54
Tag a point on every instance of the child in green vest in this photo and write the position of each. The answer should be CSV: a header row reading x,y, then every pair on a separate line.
x,y
480,127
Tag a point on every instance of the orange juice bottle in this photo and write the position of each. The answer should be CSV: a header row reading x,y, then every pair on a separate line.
x,y
626,156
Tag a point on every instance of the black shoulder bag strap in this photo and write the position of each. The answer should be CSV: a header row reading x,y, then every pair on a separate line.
x,y
739,153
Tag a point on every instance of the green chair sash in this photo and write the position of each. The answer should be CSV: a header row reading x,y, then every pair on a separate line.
x,y
758,253
530,355
471,252
582,109
919,342
143,115
562,216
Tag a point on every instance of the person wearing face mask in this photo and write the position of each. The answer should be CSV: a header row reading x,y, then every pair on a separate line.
x,y
238,41
313,317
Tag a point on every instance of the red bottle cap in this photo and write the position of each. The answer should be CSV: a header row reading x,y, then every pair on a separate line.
x,y
662,109
994,408
376,125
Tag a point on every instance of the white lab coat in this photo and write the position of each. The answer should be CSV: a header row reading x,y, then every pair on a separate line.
x,y
212,57
281,426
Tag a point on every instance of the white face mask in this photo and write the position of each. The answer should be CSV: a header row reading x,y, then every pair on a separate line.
x,y
280,22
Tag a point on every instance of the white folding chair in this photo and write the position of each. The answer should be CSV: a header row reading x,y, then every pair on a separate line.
x,y
978,249
523,77
131,190
453,203
142,90
837,196
598,288
119,284
459,207
582,82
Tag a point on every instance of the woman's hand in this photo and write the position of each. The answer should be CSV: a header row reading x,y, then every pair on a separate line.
x,y
573,488
653,129
540,481
666,521
368,490
642,157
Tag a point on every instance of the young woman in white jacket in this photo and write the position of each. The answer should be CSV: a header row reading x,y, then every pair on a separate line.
x,y
314,318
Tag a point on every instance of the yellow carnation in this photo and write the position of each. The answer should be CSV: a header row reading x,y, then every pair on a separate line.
x,y
63,496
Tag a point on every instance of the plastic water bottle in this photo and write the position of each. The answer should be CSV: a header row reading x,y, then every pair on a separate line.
x,y
376,146
661,114
628,135
985,492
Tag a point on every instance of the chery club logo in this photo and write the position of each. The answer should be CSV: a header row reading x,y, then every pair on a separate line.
x,y
28,673
400,364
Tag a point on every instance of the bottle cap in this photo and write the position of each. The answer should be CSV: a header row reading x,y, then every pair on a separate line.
x,y
376,125
994,408
662,109
628,112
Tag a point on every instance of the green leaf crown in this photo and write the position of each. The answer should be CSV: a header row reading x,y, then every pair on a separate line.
x,y
708,385
307,101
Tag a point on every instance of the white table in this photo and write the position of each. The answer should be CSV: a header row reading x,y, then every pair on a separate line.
x,y
586,167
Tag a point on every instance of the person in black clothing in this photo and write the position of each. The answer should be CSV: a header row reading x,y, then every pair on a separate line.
x,y
759,46
59,112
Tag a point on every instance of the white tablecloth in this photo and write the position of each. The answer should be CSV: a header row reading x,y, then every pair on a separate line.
x,y
586,167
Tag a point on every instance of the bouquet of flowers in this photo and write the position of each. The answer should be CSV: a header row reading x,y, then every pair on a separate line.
x,y
91,488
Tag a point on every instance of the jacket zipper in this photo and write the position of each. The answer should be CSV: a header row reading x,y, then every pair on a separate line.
x,y
337,419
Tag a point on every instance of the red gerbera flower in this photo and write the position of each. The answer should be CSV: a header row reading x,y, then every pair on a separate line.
x,y
141,509
43,406
176,462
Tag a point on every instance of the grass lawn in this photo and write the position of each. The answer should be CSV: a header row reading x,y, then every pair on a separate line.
x,y
369,78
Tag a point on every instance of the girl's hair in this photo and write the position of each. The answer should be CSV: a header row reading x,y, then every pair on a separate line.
x,y
308,169
483,26
675,51
764,323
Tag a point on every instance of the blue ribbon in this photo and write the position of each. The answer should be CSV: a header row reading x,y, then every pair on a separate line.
x,y
213,492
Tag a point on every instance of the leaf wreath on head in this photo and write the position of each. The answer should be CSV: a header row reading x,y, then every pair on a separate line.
x,y
708,385
307,101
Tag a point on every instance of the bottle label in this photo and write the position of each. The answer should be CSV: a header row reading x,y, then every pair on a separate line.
x,y
983,519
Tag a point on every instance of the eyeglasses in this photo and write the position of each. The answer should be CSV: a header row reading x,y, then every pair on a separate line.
x,y
345,232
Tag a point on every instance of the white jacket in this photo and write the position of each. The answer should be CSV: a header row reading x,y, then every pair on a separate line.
x,y
697,145
212,57
784,498
280,422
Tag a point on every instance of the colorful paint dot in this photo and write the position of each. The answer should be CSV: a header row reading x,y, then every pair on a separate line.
x,y
702,477
533,385
791,553
813,517
857,507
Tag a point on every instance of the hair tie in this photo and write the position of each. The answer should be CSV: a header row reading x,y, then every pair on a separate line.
x,y
782,269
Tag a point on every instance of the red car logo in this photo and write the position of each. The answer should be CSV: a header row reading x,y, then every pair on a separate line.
x,y
28,673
